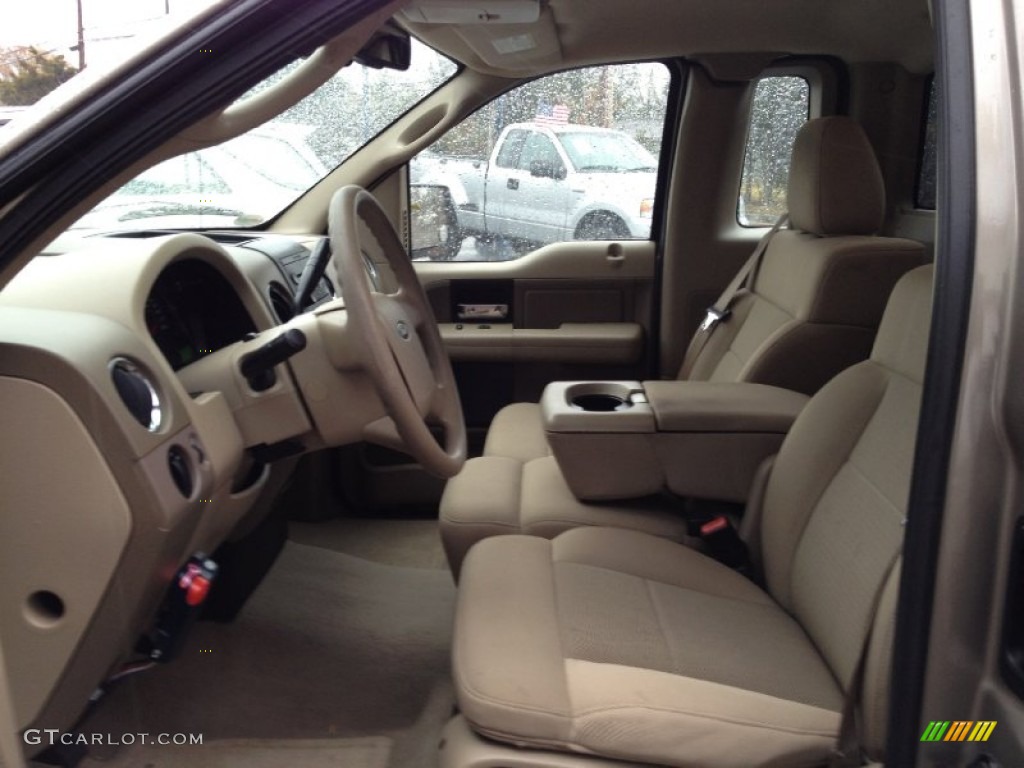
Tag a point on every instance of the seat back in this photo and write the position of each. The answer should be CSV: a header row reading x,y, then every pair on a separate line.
x,y
818,296
834,507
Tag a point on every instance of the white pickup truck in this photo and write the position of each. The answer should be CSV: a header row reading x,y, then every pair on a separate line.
x,y
549,183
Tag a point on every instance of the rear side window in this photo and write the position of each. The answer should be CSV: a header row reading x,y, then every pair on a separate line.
x,y
780,106
926,172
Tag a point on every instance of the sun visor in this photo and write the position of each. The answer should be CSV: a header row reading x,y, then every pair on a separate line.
x,y
510,47
462,12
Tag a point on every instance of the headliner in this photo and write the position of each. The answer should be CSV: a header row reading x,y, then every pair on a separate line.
x,y
573,33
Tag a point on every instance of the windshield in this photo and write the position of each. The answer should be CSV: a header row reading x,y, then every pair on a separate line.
x,y
250,179
606,151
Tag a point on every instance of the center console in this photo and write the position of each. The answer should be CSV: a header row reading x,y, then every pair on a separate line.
x,y
626,439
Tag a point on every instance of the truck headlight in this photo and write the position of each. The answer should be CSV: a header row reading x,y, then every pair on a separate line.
x,y
646,207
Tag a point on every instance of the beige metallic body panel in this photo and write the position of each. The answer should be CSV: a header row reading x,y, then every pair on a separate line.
x,y
986,488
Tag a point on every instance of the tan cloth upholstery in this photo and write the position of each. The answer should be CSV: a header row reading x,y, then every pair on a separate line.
x,y
625,645
499,494
517,431
591,643
812,311
835,184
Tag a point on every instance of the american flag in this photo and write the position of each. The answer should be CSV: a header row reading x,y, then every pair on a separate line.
x,y
547,114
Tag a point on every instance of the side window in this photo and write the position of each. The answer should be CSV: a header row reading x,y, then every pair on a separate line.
x,y
926,171
780,106
508,156
539,157
571,156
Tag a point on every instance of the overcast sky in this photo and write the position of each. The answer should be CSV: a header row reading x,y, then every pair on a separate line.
x,y
110,25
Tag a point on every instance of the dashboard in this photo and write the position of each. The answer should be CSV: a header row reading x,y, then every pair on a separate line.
x,y
93,332
162,386
192,311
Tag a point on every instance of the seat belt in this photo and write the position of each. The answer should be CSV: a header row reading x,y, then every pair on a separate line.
x,y
848,752
721,309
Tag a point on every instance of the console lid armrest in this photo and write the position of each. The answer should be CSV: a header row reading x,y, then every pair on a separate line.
x,y
702,406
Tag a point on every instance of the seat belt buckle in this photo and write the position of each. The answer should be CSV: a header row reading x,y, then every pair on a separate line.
x,y
714,526
724,543
713,317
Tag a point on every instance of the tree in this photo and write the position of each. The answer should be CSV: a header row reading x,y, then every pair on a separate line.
x,y
27,74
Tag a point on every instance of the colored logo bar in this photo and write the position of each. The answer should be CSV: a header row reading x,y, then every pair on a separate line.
x,y
958,730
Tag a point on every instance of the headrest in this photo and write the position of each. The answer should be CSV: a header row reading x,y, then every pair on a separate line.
x,y
835,184
902,341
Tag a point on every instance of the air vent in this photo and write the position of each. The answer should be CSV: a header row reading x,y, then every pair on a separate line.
x,y
181,471
137,393
281,302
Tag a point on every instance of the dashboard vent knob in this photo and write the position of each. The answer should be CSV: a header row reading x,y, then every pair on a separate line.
x,y
137,393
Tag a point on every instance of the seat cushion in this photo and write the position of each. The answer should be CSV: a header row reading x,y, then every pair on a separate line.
x,y
626,645
497,495
517,431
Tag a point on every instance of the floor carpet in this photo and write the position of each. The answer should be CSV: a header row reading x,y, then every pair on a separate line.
x,y
330,647
414,543
268,753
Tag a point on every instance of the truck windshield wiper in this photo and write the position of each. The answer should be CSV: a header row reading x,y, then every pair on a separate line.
x,y
587,168
170,208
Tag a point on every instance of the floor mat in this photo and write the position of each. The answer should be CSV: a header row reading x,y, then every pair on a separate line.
x,y
329,647
265,753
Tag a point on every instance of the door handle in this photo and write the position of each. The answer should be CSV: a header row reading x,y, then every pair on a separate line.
x,y
614,255
512,184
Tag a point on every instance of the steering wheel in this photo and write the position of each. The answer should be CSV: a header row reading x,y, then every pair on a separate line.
x,y
403,352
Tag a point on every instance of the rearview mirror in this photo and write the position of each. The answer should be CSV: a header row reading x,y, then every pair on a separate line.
x,y
388,48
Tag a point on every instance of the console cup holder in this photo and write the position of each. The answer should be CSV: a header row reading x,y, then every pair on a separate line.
x,y
600,402
600,396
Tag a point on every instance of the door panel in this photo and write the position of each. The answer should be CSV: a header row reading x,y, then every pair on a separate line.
x,y
570,343
575,311
573,314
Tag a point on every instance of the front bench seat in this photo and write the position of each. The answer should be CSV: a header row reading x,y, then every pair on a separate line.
x,y
618,644
812,311
815,303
